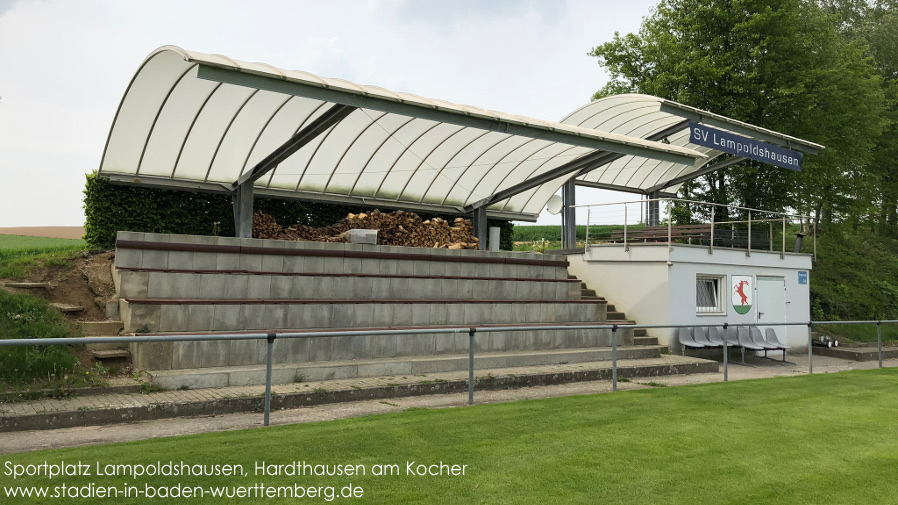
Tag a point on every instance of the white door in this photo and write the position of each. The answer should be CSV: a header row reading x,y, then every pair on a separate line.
x,y
771,305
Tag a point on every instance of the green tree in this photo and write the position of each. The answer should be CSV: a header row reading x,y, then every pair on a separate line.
x,y
779,64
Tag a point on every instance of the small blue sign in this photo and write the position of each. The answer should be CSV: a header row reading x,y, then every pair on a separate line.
x,y
802,277
743,146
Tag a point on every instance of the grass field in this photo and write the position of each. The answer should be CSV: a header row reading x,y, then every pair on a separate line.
x,y
20,254
800,440
13,242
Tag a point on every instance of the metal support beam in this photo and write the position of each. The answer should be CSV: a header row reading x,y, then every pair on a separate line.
x,y
581,165
306,196
242,199
296,88
569,215
654,211
700,172
480,227
320,125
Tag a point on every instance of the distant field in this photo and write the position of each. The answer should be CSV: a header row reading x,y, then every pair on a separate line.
x,y
8,242
72,232
827,438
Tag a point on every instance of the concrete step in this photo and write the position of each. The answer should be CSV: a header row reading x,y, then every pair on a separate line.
x,y
616,316
583,285
105,347
569,276
593,298
110,353
610,308
403,366
100,328
28,285
587,292
641,332
131,407
67,308
644,340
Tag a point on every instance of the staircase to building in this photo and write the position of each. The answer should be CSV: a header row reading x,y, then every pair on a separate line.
x,y
612,315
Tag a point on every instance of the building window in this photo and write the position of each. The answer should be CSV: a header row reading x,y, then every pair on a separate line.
x,y
709,294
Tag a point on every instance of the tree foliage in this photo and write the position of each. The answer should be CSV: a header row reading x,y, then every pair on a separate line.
x,y
786,65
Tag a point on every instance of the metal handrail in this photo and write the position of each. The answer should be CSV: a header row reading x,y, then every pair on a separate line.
x,y
271,336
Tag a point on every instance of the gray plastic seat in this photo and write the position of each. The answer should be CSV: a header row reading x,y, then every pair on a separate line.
x,y
755,333
714,337
773,340
699,336
730,336
745,340
685,338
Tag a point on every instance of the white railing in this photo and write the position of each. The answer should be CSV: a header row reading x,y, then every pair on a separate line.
x,y
677,221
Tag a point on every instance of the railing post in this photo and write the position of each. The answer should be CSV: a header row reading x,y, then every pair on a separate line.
x,y
726,355
879,340
815,240
669,226
471,333
626,248
711,245
748,252
770,235
810,349
783,254
614,357
588,219
271,337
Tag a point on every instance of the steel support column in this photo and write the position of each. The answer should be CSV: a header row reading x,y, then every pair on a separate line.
x,y
654,210
480,226
569,215
242,198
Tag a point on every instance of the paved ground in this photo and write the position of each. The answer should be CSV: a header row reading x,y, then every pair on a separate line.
x,y
72,437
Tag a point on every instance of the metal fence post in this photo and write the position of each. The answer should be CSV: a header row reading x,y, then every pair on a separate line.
x,y
748,252
879,340
614,357
726,355
271,337
810,349
471,333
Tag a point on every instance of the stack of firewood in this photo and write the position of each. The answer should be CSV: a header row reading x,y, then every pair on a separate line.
x,y
394,228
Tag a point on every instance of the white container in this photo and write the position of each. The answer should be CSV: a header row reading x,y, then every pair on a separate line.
x,y
361,236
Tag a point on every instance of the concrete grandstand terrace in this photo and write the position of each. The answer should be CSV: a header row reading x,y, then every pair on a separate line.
x,y
181,283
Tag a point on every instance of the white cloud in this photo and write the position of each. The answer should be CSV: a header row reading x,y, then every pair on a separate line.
x,y
65,66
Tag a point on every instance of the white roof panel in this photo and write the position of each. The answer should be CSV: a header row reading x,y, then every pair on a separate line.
x,y
190,118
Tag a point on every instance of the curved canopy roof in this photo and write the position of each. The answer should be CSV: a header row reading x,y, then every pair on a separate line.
x,y
196,121
647,116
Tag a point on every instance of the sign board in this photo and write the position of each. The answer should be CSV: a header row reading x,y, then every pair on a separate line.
x,y
802,276
743,286
743,146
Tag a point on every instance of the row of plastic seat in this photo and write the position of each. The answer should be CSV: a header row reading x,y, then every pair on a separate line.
x,y
742,337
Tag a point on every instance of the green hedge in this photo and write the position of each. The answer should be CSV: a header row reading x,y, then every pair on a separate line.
x,y
110,208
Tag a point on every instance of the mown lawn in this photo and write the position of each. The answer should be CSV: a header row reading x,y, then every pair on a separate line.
x,y
800,440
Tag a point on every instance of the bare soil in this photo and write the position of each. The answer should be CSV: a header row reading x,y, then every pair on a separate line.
x,y
87,283
72,232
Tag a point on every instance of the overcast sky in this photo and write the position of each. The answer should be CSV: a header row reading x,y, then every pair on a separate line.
x,y
64,66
